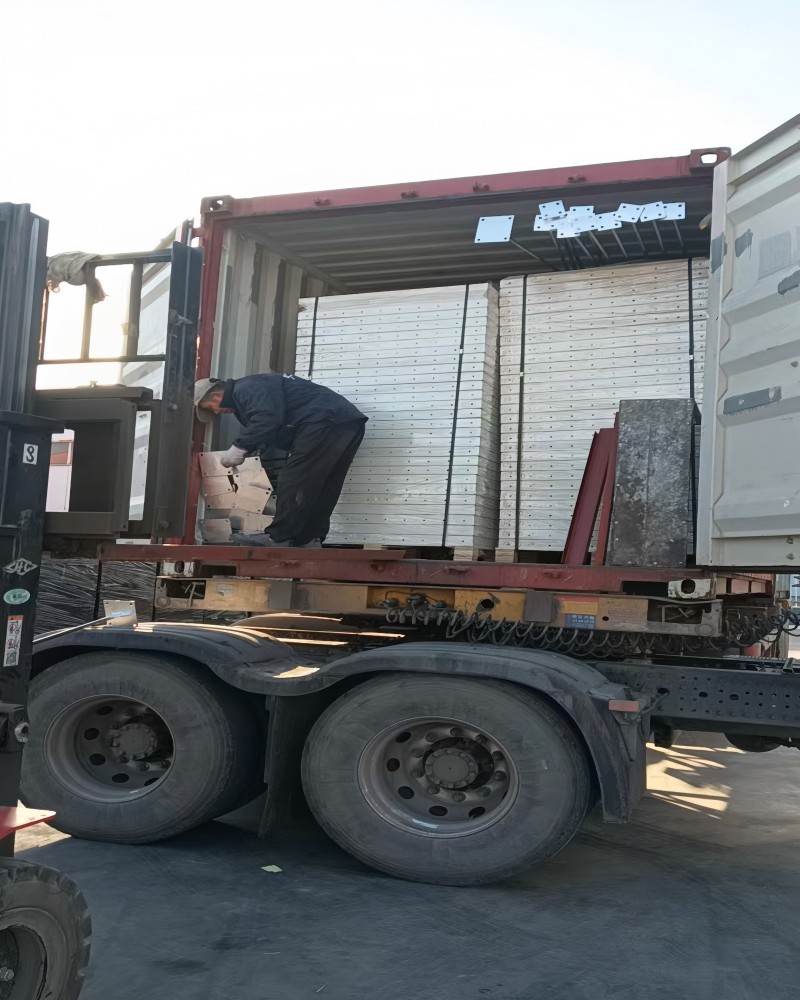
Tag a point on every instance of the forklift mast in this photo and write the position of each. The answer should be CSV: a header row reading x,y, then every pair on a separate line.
x,y
24,467
44,923
25,464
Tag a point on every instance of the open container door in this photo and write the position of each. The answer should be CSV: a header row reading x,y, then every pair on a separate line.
x,y
749,493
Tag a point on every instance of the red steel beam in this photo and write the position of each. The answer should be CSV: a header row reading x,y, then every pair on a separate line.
x,y
607,499
390,567
620,172
592,489
211,242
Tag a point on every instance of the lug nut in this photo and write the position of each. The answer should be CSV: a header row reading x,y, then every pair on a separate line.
x,y
123,758
432,737
165,764
497,755
456,732
6,975
143,766
480,738
458,796
484,792
499,776
433,790
419,773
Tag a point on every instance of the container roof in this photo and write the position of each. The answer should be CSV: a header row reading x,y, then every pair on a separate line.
x,y
412,235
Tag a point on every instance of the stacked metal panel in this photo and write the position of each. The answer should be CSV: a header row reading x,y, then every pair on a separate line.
x,y
422,365
572,345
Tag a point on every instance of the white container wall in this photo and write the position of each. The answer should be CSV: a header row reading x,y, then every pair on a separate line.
x,y
257,306
572,345
422,365
749,498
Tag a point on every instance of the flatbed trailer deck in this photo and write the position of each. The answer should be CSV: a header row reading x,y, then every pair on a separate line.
x,y
392,566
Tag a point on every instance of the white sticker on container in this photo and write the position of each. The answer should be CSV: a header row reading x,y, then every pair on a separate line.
x,y
30,454
13,641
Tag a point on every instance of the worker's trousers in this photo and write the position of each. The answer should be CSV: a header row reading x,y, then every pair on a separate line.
x,y
310,484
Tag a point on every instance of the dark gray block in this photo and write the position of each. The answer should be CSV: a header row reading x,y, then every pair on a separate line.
x,y
651,521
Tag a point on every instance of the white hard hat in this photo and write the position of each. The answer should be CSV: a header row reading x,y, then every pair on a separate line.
x,y
202,388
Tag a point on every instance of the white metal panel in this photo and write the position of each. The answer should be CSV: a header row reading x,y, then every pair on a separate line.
x,y
749,496
591,338
431,446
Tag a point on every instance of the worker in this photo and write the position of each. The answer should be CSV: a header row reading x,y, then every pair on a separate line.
x,y
320,429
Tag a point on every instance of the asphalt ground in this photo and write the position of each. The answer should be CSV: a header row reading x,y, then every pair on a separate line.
x,y
698,897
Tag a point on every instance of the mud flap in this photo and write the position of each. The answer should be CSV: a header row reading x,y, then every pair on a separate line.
x,y
289,723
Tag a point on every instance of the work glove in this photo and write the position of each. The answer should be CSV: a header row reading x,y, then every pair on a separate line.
x,y
232,457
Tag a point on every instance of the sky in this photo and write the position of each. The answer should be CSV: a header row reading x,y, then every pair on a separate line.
x,y
116,119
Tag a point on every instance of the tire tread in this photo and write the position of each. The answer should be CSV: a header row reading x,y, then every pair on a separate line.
x,y
320,794
235,724
16,872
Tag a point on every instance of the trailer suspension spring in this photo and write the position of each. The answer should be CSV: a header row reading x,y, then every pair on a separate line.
x,y
741,631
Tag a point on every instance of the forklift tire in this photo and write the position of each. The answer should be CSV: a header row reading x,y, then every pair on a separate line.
x,y
132,748
44,933
447,780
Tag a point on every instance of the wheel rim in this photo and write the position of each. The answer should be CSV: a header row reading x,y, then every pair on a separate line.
x,y
109,749
22,962
438,777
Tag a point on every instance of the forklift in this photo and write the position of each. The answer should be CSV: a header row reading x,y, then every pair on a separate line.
x,y
44,922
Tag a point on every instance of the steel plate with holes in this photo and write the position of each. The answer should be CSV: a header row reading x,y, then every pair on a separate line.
x,y
494,229
654,211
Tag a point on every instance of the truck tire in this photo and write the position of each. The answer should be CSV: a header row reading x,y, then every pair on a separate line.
x,y
44,933
448,780
132,748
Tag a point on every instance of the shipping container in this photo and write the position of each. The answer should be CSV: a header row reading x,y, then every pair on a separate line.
x,y
268,258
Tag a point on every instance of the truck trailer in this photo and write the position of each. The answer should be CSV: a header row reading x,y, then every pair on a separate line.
x,y
448,717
